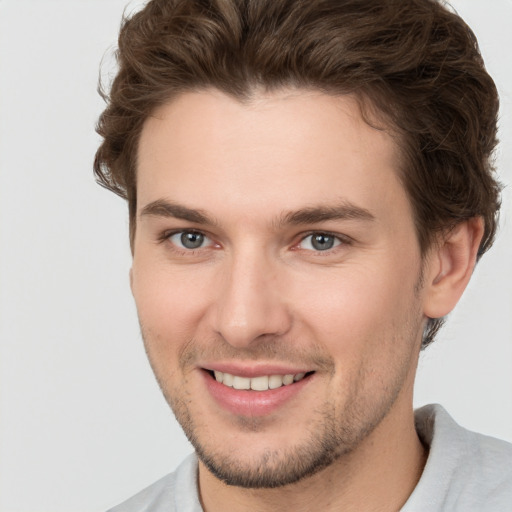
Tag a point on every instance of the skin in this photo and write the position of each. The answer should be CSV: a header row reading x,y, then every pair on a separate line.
x,y
257,292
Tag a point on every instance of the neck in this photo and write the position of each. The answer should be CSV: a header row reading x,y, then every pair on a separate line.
x,y
379,475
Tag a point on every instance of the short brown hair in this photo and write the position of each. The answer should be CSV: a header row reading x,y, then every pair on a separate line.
x,y
413,62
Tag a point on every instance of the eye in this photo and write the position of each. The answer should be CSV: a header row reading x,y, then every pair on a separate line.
x,y
319,242
189,240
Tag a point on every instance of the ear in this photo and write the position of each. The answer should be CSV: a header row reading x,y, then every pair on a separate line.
x,y
131,279
450,266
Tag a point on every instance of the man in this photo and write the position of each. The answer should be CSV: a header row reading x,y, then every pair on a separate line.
x,y
309,185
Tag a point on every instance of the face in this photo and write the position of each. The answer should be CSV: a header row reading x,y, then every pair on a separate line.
x,y
276,275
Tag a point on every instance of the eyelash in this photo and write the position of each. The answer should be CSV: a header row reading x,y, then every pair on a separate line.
x,y
167,235
340,239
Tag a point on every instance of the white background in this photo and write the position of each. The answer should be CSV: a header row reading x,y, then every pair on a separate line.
x,y
83,424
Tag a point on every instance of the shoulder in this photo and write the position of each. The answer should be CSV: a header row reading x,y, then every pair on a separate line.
x,y
465,471
175,492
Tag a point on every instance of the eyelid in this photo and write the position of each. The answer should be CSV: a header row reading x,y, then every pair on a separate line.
x,y
168,234
341,240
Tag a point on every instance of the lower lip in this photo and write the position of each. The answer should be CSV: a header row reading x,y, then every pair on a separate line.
x,y
252,403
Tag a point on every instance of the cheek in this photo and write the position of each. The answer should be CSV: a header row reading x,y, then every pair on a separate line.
x,y
369,324
170,304
357,309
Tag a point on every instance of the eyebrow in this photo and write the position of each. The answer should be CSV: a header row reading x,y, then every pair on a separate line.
x,y
164,208
308,215
315,214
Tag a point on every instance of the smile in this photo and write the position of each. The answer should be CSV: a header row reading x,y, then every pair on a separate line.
x,y
260,383
245,391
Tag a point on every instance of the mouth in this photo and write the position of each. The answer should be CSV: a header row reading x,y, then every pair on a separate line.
x,y
255,392
258,383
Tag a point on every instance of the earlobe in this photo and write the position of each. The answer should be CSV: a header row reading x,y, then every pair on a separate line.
x,y
451,265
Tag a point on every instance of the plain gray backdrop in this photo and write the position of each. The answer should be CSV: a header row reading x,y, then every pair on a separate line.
x,y
83,424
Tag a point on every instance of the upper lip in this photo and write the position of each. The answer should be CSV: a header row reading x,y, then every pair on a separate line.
x,y
255,370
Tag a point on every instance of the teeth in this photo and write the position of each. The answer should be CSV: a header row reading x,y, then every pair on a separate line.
x,y
263,383
241,382
287,380
227,379
259,383
275,381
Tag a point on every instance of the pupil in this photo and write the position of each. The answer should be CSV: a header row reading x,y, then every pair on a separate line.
x,y
192,240
322,242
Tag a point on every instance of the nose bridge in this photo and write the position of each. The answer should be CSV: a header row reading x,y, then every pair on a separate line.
x,y
249,303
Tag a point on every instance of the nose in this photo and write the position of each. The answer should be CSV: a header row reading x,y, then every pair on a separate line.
x,y
250,306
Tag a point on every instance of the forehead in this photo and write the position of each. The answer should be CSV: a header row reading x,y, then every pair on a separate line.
x,y
277,152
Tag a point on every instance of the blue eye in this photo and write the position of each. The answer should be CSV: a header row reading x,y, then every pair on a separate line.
x,y
319,242
189,239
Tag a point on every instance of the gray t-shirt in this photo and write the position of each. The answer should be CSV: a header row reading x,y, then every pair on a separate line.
x,y
465,472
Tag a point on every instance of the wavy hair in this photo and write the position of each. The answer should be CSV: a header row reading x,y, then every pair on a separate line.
x,y
413,64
